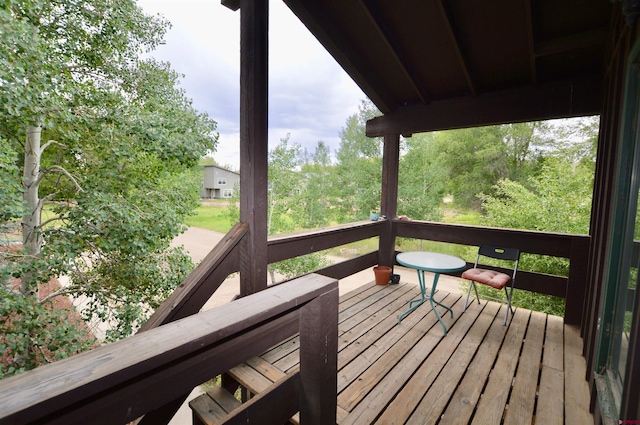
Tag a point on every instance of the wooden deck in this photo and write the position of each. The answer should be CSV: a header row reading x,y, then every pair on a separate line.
x,y
530,371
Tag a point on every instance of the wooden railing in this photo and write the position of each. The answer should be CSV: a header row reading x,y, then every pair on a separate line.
x,y
120,382
573,247
202,282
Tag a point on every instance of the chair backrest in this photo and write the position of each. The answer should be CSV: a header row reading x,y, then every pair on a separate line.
x,y
499,253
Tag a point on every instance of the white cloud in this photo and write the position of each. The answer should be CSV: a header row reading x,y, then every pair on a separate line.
x,y
310,96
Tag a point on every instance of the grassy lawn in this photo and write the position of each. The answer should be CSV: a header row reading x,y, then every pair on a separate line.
x,y
211,218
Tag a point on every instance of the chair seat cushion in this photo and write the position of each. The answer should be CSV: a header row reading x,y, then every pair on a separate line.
x,y
488,277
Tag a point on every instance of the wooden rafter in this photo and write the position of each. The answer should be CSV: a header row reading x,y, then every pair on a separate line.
x,y
334,41
531,42
396,54
454,40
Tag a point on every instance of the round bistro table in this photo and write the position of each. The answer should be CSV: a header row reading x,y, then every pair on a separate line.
x,y
434,262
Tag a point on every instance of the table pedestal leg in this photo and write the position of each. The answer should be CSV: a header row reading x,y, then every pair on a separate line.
x,y
413,304
432,301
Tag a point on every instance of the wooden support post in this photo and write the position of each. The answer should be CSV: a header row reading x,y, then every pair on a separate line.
x,y
575,300
319,360
254,63
389,202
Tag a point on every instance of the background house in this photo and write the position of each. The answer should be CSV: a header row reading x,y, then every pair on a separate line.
x,y
218,182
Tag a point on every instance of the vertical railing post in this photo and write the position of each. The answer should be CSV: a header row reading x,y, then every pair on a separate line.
x,y
319,360
576,284
254,84
389,201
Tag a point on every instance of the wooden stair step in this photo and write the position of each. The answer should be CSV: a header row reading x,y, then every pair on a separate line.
x,y
212,406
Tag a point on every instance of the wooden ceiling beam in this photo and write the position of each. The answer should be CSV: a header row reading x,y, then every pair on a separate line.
x,y
231,4
396,54
456,45
544,101
575,41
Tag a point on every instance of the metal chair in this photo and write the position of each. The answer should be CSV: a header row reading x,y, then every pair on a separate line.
x,y
489,276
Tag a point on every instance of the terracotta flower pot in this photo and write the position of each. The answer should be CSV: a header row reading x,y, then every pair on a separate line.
x,y
383,274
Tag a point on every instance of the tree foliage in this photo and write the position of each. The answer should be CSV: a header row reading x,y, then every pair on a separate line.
x,y
120,143
421,179
358,172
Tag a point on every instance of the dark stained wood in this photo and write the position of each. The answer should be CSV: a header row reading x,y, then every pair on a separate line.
x,y
319,360
351,266
469,55
206,278
214,405
609,139
454,41
307,242
545,101
576,286
574,247
376,19
111,384
389,201
545,243
254,108
260,409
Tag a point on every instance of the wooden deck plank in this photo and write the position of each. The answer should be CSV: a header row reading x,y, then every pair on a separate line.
x,y
434,402
388,297
481,372
554,343
550,408
358,357
266,369
494,398
576,394
413,392
368,368
358,294
525,382
465,398
289,347
367,301
208,408
359,323
381,382
247,377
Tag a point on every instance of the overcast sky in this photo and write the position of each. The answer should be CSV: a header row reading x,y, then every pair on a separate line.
x,y
310,96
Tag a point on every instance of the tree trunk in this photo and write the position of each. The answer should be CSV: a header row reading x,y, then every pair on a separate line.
x,y
31,236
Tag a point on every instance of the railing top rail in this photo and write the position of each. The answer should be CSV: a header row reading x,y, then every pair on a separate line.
x,y
529,241
98,377
189,297
347,227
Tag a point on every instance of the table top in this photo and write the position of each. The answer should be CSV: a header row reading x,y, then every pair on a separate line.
x,y
431,261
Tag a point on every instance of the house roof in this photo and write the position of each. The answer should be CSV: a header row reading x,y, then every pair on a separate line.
x,y
433,64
